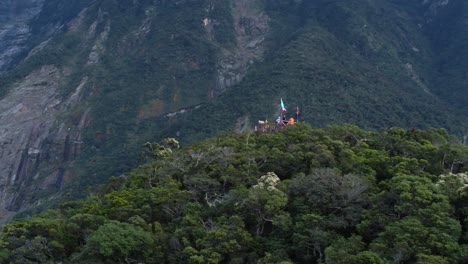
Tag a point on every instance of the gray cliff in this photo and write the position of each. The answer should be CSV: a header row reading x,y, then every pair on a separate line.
x,y
35,145
15,30
36,142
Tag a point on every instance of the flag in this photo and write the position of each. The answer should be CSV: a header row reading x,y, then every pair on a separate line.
x,y
297,110
283,109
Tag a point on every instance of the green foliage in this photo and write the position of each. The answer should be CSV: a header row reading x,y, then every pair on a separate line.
x,y
366,257
264,200
159,70
226,239
342,250
156,150
420,222
118,242
300,195
334,60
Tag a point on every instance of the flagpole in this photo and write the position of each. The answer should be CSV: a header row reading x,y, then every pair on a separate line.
x,y
297,113
283,109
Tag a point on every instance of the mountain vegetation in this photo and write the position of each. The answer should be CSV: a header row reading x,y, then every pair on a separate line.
x,y
132,71
362,62
338,194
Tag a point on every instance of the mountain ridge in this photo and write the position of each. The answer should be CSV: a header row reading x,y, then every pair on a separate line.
x,y
124,66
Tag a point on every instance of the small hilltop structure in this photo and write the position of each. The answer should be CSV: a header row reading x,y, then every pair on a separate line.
x,y
281,121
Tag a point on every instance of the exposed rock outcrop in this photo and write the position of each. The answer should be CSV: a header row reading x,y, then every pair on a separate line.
x,y
35,145
251,26
14,28
432,8
40,127
27,115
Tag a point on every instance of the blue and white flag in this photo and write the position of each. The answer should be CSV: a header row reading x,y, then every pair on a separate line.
x,y
283,109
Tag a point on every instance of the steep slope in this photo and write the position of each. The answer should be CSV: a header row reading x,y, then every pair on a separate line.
x,y
14,28
364,62
113,65
447,27
36,139
96,79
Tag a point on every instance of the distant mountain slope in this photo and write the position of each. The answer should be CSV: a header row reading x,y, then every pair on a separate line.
x,y
447,30
364,62
96,79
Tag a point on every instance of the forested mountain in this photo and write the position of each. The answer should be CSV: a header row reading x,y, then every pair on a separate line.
x,y
299,195
85,83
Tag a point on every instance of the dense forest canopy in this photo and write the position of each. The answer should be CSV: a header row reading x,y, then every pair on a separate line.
x,y
301,195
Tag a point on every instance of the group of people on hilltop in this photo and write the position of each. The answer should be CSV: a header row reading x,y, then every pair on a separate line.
x,y
283,122
264,126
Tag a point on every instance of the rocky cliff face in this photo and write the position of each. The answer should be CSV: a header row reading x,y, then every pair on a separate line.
x,y
27,116
251,26
15,31
434,5
37,139
36,146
